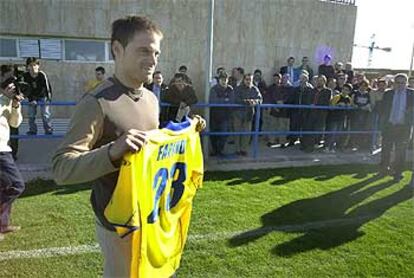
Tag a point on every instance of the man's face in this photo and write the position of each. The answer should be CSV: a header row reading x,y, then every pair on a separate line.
x,y
238,75
223,82
320,82
257,76
305,61
33,68
338,66
248,81
341,80
332,84
137,61
291,61
346,91
382,85
276,79
158,79
179,83
327,60
400,84
411,82
99,75
234,72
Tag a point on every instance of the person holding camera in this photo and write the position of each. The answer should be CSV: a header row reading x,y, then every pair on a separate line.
x,y
39,93
7,76
11,181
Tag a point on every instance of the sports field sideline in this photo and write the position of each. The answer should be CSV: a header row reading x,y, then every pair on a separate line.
x,y
330,221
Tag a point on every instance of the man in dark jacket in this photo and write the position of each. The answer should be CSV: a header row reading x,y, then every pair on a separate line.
x,y
326,68
220,117
290,69
398,106
316,118
40,92
302,95
180,95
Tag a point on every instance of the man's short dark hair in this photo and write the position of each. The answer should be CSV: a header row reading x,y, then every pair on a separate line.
x,y
5,68
32,60
124,29
180,75
258,71
155,73
277,74
219,69
240,70
182,68
223,75
101,69
249,74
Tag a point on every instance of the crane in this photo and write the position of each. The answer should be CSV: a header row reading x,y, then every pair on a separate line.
x,y
371,47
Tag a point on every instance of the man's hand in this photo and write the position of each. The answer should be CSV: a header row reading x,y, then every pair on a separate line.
x,y
131,141
201,123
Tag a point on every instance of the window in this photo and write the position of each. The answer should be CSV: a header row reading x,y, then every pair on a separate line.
x,y
8,48
29,48
82,50
51,49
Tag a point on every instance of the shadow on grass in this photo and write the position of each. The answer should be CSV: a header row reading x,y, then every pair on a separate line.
x,y
286,175
39,187
324,221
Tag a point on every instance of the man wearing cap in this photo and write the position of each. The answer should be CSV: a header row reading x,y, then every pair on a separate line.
x,y
221,93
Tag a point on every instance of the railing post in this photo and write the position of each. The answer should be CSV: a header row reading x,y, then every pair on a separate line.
x,y
374,134
256,131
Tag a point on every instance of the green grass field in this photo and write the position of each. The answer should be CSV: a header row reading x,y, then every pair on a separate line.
x,y
336,221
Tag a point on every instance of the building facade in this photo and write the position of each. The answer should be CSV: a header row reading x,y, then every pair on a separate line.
x,y
72,36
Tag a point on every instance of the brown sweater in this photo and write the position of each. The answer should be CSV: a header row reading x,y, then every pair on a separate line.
x,y
102,116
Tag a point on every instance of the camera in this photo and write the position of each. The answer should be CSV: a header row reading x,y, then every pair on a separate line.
x,y
21,87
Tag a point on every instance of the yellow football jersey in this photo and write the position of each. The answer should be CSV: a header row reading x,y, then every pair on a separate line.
x,y
153,198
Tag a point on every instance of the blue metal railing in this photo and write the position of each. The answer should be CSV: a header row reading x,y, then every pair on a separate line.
x,y
256,133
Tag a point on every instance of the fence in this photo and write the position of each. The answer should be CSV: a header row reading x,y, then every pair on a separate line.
x,y
256,133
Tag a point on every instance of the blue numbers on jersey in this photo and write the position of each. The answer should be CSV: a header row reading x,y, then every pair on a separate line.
x,y
178,174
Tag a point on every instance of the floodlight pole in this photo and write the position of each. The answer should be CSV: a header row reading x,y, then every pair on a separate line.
x,y
208,77
411,61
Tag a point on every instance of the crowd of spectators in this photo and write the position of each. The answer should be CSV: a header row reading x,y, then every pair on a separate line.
x,y
333,85
353,108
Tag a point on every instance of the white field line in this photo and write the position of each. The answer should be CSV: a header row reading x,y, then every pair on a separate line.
x,y
93,248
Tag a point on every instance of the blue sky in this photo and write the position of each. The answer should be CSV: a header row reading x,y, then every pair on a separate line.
x,y
392,22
